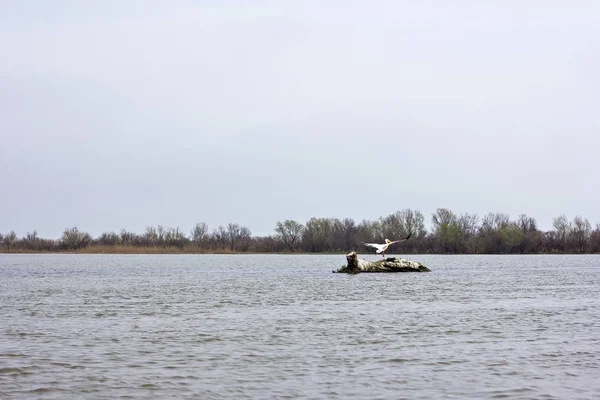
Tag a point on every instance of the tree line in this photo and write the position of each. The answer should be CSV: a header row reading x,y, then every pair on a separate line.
x,y
450,233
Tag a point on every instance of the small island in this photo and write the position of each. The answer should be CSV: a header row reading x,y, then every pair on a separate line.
x,y
390,264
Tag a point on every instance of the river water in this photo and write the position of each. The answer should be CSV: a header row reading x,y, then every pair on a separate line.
x,y
265,326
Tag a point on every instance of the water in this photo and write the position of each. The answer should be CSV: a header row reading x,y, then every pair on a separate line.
x,y
264,326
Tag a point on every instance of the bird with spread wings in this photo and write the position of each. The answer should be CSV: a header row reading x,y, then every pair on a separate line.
x,y
381,248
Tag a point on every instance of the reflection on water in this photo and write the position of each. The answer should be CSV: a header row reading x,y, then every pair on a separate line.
x,y
263,326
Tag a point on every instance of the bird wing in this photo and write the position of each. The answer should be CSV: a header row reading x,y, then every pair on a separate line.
x,y
402,240
373,245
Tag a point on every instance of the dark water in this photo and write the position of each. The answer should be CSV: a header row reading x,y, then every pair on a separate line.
x,y
140,326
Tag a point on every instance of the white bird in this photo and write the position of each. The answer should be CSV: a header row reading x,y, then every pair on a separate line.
x,y
381,248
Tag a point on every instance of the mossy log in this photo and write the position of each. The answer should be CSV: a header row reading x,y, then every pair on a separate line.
x,y
390,264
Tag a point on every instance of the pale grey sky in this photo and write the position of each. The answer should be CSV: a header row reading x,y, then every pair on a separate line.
x,y
124,114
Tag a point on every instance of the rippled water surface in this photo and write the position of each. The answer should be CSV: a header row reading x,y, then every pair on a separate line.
x,y
264,326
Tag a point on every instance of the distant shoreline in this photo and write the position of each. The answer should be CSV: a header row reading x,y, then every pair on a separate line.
x,y
451,233
120,250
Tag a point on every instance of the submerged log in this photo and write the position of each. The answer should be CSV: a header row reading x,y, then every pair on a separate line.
x,y
390,264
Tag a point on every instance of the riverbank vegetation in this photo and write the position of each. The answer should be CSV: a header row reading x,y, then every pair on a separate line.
x,y
450,233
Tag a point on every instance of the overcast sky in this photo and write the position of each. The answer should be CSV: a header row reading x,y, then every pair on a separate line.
x,y
124,114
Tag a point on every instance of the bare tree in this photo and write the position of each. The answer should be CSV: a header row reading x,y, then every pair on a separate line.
x,y
160,233
235,234
199,233
244,238
74,239
343,234
527,224
376,228
290,232
595,240
532,238
349,233
493,222
127,238
174,237
232,234
31,240
365,232
150,236
219,237
442,218
562,227
580,231
108,239
9,239
468,224
414,222
392,226
400,224
317,234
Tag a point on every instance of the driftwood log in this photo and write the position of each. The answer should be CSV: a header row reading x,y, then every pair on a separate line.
x,y
390,264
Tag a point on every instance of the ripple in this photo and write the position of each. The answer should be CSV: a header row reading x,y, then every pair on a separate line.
x,y
43,390
11,371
